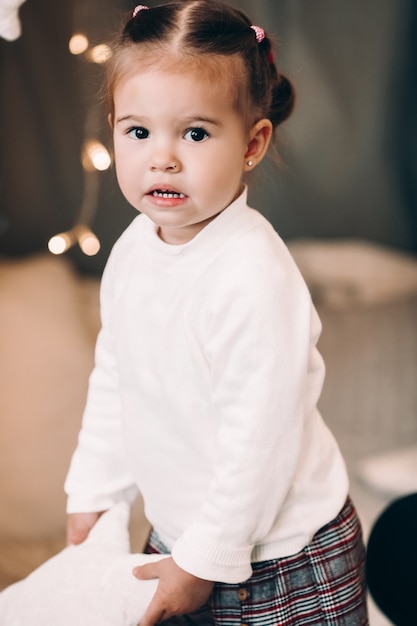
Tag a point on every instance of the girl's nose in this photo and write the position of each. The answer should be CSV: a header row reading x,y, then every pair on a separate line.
x,y
165,162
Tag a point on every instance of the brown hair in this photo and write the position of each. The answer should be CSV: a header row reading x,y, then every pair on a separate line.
x,y
194,31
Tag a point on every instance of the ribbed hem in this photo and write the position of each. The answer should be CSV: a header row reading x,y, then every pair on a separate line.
x,y
280,549
211,561
222,564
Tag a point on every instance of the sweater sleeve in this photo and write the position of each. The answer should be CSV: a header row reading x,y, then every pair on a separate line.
x,y
98,476
258,345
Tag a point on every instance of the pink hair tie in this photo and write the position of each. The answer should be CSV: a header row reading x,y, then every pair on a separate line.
x,y
259,32
140,7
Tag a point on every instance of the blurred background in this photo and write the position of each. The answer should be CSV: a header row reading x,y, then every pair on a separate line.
x,y
349,149
344,200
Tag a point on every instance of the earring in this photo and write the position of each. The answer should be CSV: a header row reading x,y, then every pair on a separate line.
x,y
250,163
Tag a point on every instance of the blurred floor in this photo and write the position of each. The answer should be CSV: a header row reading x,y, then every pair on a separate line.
x,y
370,396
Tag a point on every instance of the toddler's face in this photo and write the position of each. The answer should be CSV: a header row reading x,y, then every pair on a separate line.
x,y
180,149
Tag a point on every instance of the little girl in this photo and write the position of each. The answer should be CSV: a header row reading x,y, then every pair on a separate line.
x,y
204,393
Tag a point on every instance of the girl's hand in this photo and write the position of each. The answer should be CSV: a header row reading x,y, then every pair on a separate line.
x,y
79,525
178,592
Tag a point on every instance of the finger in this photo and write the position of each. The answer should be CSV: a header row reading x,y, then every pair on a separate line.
x,y
76,535
146,572
153,616
79,526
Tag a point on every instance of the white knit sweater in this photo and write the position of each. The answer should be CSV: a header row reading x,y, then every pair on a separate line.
x,y
204,397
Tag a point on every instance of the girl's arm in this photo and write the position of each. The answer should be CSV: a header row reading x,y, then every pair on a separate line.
x,y
259,337
98,476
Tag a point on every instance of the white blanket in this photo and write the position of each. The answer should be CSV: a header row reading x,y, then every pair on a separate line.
x,y
9,19
84,585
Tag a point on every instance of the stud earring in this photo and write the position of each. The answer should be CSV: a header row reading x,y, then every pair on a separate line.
x,y
250,163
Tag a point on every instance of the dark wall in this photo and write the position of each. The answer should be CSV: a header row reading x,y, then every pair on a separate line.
x,y
351,144
349,149
40,127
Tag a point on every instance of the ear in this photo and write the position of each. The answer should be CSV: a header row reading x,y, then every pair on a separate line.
x,y
259,138
110,120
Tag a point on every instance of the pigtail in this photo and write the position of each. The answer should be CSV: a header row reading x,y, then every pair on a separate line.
x,y
283,100
281,90
149,26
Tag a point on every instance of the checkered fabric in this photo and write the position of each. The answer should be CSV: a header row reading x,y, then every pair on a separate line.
x,y
323,585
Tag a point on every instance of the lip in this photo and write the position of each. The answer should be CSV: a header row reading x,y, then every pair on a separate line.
x,y
166,201
164,187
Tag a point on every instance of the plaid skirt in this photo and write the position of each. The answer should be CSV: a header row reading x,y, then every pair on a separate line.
x,y
323,585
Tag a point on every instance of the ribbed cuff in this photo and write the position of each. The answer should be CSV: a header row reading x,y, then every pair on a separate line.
x,y
211,561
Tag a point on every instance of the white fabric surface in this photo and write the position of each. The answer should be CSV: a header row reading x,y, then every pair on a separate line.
x,y
204,396
86,585
10,27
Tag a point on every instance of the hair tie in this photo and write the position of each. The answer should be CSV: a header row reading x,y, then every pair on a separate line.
x,y
259,32
140,7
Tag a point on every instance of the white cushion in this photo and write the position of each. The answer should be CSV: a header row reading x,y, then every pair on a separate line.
x,y
85,585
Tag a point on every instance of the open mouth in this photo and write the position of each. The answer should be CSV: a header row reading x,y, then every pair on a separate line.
x,y
162,193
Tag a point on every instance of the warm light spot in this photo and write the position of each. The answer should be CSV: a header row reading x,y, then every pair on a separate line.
x,y
59,243
96,156
78,43
89,243
87,240
100,53
101,160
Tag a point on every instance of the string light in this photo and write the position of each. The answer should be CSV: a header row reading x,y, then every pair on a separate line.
x,y
100,53
87,240
78,43
95,156
81,234
58,244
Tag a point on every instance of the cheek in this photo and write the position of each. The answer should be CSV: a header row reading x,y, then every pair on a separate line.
x,y
124,177
124,163
118,167
228,168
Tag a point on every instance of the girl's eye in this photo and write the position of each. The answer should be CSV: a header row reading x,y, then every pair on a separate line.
x,y
138,133
196,134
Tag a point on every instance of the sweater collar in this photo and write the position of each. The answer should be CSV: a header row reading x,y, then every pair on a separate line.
x,y
220,227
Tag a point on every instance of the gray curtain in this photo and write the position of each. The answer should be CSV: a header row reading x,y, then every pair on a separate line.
x,y
350,147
